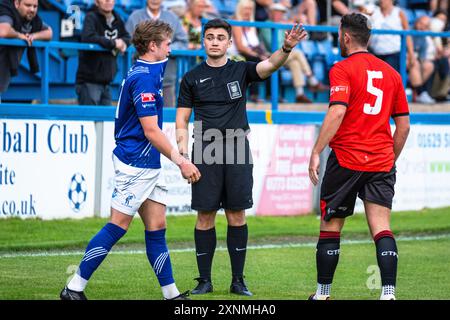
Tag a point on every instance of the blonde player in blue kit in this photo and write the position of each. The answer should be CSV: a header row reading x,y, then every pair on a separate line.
x,y
136,158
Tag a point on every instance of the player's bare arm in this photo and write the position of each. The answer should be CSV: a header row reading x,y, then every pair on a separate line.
x,y
330,126
400,134
291,38
159,140
181,126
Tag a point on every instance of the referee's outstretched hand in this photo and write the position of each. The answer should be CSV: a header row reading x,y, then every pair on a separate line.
x,y
294,36
189,171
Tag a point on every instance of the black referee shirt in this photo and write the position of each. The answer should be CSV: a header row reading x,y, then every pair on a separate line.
x,y
218,94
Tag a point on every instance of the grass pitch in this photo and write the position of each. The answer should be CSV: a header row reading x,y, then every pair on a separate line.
x,y
38,257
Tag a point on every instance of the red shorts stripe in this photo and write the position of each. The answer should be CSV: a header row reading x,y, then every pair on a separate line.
x,y
329,235
323,206
383,234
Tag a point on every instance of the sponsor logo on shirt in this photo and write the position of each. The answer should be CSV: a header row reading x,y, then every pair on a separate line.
x,y
147,97
338,89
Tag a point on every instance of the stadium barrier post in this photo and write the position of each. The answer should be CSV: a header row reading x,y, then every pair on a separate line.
x,y
98,169
45,75
274,76
403,72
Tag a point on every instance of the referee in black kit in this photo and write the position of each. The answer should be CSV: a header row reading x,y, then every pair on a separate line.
x,y
216,90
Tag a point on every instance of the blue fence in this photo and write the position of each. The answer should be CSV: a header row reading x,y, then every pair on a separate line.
x,y
185,56
107,113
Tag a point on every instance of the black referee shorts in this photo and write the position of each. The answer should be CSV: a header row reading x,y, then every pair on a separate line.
x,y
224,184
340,186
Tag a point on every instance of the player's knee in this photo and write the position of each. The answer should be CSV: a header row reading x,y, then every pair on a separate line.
x,y
121,223
235,218
205,220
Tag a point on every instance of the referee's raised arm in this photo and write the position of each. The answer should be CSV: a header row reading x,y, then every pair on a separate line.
x,y
291,38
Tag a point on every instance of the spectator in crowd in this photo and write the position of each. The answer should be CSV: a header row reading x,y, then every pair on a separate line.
x,y
387,46
178,7
211,11
441,77
96,70
303,11
153,11
246,42
338,9
192,22
422,4
19,20
420,72
439,5
437,24
296,62
262,9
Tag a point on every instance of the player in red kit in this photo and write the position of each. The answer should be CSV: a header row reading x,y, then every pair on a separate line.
x,y
365,93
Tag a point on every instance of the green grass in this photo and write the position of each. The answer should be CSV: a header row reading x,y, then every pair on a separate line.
x,y
16,234
277,273
287,273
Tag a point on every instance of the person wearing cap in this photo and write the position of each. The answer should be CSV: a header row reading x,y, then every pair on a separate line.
x,y
296,62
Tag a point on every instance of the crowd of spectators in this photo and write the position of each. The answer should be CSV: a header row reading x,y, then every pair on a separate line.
x,y
427,57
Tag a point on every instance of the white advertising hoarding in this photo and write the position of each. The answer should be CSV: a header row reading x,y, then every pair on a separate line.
x,y
423,170
179,191
47,168
280,155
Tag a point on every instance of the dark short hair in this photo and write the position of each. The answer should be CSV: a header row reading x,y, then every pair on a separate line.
x,y
358,26
148,31
216,24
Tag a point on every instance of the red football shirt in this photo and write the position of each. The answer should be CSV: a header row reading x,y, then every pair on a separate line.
x,y
373,92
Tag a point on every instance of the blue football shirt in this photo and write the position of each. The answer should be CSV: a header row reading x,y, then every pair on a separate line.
x,y
140,96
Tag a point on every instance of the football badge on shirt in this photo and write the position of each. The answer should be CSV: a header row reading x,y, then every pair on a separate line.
x,y
234,90
335,89
147,97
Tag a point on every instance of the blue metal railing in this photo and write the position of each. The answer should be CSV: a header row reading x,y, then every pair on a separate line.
x,y
107,113
45,47
182,64
402,33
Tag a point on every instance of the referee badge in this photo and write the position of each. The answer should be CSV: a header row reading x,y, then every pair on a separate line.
x,y
234,90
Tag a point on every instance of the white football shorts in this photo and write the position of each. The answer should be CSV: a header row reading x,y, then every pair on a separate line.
x,y
135,185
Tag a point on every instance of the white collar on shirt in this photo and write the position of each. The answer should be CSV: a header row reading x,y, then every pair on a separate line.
x,y
152,16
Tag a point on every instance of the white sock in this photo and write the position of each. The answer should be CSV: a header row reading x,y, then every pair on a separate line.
x,y
299,91
323,291
387,292
312,80
170,291
77,283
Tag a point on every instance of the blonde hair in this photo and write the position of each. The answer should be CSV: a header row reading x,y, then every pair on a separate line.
x,y
148,31
245,3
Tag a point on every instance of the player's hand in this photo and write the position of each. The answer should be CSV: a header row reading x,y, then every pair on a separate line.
x,y
190,172
314,165
294,36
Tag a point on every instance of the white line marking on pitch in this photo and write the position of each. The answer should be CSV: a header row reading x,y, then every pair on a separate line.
x,y
253,247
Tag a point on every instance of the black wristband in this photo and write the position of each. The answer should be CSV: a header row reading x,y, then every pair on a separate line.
x,y
285,50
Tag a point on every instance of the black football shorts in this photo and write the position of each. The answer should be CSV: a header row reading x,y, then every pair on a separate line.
x,y
224,184
340,186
